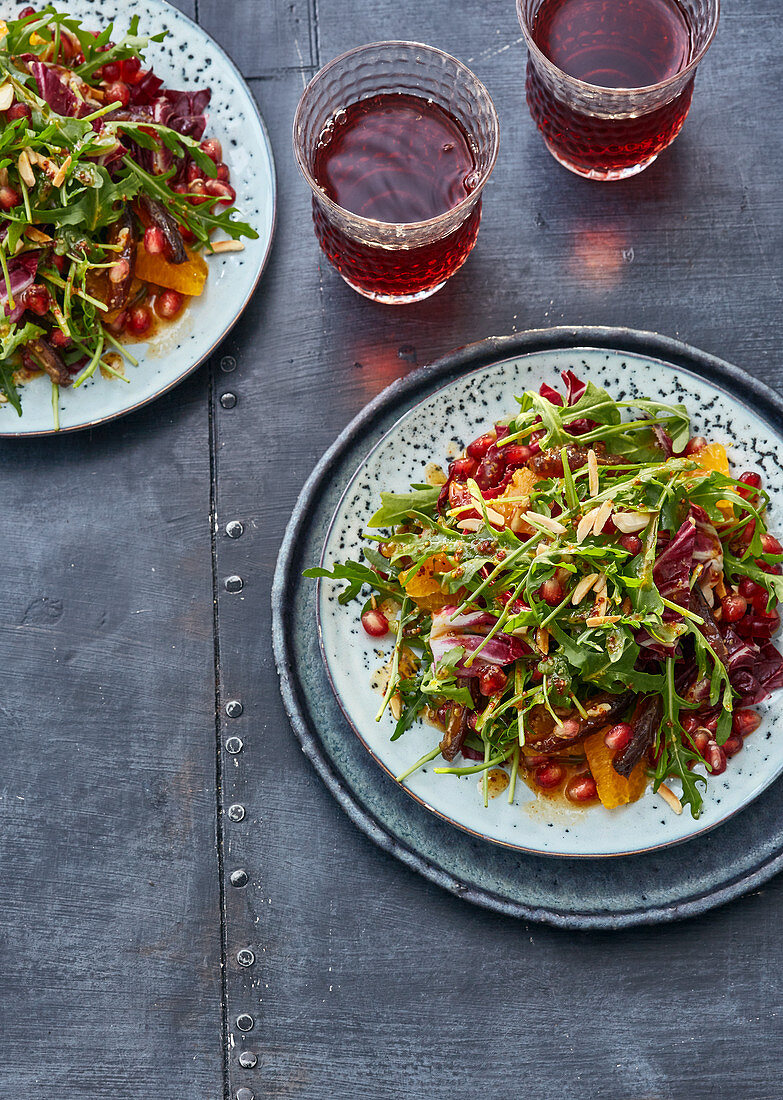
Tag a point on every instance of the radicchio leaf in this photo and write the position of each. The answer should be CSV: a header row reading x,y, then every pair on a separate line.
x,y
21,273
57,94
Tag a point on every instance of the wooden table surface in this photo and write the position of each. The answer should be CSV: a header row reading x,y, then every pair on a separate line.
x,y
120,647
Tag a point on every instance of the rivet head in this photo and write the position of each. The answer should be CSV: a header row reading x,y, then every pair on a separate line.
x,y
234,584
245,957
248,1059
228,400
245,1021
239,878
236,812
244,1094
234,745
235,529
234,708
228,363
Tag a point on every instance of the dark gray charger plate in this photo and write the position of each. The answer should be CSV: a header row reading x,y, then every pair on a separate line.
x,y
575,893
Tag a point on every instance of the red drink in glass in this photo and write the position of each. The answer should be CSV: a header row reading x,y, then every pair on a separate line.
x,y
396,140
395,158
609,82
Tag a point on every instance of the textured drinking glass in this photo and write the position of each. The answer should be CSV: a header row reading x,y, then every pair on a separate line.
x,y
604,132
397,261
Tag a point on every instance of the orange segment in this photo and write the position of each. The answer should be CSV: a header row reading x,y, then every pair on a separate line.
x,y
187,278
613,789
423,587
714,457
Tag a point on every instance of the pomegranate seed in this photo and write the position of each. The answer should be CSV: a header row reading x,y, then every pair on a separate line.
x,y
213,149
517,454
193,172
631,543
582,788
551,592
734,607
690,723
479,447
750,478
716,758
118,323
154,241
549,775
36,299
168,304
443,713
223,174
9,198
130,68
492,681
567,729
745,722
197,192
463,468
750,590
223,192
25,12
58,339
375,623
187,235
694,445
618,736
732,745
701,739
111,72
18,110
139,320
118,92
770,544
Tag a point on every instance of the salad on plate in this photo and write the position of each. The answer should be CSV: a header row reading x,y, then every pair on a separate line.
x,y
585,601
110,194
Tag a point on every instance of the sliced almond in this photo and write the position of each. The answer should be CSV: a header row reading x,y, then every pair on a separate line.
x,y
592,472
669,796
62,172
227,246
542,640
535,519
630,522
582,588
602,620
720,587
470,524
495,517
395,706
585,525
37,236
25,171
6,96
604,512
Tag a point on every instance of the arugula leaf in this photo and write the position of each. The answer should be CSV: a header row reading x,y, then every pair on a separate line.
x,y
396,507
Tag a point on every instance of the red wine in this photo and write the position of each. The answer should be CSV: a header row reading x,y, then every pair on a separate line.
x,y
610,44
395,158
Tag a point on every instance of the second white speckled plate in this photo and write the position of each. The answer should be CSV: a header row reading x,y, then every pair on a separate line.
x,y
459,412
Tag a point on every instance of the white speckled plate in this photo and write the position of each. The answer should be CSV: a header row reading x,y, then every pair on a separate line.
x,y
459,412
187,59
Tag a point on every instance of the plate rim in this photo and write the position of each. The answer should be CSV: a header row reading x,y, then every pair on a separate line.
x,y
765,402
88,424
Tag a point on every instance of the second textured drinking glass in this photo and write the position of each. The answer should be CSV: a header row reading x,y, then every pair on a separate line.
x,y
419,121
609,82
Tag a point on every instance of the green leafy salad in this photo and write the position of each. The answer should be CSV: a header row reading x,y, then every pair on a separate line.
x,y
585,601
108,194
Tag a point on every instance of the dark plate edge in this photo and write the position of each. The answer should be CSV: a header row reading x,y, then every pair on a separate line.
x,y
262,267
765,402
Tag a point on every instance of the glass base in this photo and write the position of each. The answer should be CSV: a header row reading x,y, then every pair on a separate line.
x,y
394,299
599,173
